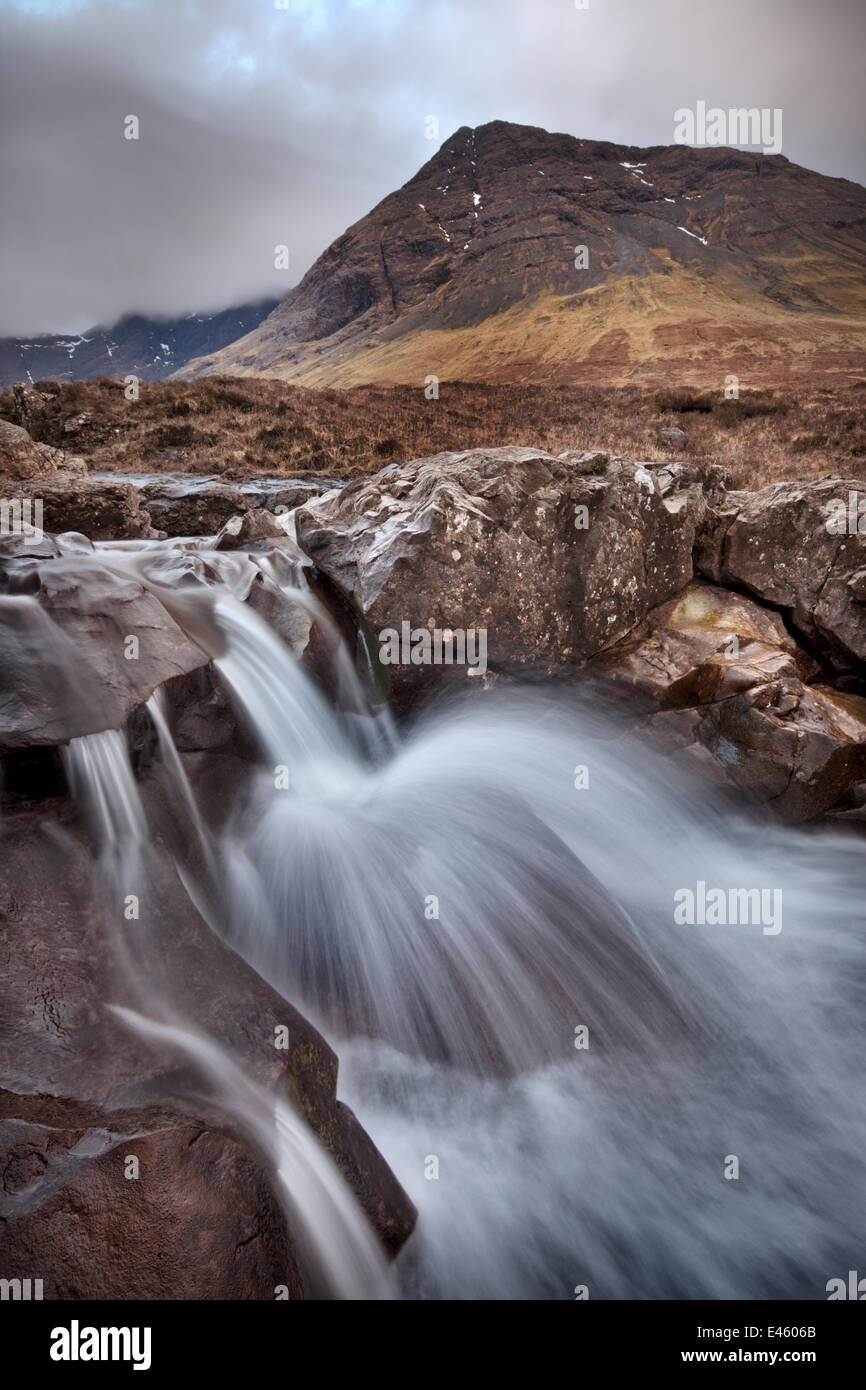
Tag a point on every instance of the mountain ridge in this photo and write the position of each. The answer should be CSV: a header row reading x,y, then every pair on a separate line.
x,y
147,347
469,270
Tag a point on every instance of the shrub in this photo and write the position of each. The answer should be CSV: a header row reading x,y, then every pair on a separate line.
x,y
683,402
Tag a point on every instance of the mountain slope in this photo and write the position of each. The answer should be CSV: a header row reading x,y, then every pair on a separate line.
x,y
148,348
700,261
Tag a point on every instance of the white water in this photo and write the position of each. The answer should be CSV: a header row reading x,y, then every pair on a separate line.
x,y
558,1167
339,1254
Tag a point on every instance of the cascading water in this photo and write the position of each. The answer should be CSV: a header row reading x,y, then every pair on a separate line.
x,y
339,1253
559,1072
496,974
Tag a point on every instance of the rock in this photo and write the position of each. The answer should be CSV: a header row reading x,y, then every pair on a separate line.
x,y
54,493
702,647
724,673
255,527
21,458
795,747
71,1068
200,715
293,622
74,1219
556,558
65,626
779,544
857,585
30,406
98,509
672,436
284,497
591,461
190,507
75,423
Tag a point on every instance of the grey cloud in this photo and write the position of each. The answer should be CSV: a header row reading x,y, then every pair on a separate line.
x,y
261,126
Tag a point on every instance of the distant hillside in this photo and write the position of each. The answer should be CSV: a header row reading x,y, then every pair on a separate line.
x,y
149,348
700,262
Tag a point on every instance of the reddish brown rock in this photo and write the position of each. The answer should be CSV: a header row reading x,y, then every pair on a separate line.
x,y
797,748
59,497
199,1221
29,407
703,646
191,506
101,509
724,673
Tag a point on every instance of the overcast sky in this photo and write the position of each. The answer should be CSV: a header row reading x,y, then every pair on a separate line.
x,y
262,125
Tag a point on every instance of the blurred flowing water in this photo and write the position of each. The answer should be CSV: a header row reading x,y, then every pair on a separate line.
x,y
339,1253
458,917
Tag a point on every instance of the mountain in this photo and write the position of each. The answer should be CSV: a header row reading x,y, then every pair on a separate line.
x,y
700,262
147,348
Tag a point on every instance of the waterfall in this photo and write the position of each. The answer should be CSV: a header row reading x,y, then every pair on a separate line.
x,y
340,1255
576,1088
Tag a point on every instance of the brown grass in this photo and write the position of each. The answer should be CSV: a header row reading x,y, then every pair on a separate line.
x,y
241,427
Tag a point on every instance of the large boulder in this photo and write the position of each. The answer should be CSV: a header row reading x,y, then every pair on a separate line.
x,y
717,670
54,493
75,1217
80,646
796,546
21,458
556,558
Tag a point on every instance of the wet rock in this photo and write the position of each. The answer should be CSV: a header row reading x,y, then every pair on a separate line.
x,y
255,527
704,646
717,670
200,715
303,622
80,648
797,748
285,496
796,546
556,558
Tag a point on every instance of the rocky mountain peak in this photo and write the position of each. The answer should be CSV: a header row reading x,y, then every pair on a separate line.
x,y
519,254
